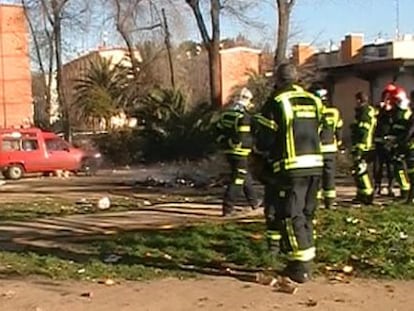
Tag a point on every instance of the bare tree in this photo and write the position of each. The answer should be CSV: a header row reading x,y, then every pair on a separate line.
x,y
43,46
212,44
284,9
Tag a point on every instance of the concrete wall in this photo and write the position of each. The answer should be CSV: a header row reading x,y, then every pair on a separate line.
x,y
235,64
403,49
343,97
16,106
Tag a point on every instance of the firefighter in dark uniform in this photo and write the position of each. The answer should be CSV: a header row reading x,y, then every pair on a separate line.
x,y
362,135
289,137
234,127
383,154
409,143
331,139
400,125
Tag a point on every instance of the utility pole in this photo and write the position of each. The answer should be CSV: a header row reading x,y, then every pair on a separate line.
x,y
397,19
168,46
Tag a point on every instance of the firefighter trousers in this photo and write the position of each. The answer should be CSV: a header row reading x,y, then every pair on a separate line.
x,y
241,180
410,174
401,175
328,178
365,191
290,205
383,157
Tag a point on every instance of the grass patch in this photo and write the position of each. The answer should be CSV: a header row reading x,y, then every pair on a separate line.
x,y
376,242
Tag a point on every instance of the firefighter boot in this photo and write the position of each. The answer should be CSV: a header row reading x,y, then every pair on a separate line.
x,y
404,195
329,203
298,271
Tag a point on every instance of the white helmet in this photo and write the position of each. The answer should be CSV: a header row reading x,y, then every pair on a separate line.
x,y
244,98
402,100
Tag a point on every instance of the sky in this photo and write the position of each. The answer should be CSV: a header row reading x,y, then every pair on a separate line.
x,y
319,21
313,21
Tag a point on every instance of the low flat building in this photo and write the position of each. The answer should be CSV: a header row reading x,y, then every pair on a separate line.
x,y
355,67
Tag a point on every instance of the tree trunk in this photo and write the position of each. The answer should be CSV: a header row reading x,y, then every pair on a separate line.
x,y
59,78
215,76
284,8
213,46
214,55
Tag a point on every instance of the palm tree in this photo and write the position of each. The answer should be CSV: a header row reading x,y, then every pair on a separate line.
x,y
101,92
172,128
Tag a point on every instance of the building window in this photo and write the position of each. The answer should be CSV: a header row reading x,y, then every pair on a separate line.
x,y
383,52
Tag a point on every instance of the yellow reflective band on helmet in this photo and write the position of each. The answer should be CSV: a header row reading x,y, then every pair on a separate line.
x,y
244,129
329,194
273,235
241,171
303,255
266,122
239,181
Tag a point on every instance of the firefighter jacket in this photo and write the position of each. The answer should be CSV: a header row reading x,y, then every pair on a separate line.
x,y
234,133
288,132
384,124
331,130
362,130
400,129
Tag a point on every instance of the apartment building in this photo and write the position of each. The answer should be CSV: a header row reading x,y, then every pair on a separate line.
x,y
16,106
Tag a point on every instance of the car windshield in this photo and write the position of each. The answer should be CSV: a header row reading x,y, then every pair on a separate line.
x,y
56,144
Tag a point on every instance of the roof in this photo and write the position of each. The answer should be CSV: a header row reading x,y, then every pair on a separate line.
x,y
371,67
17,5
240,49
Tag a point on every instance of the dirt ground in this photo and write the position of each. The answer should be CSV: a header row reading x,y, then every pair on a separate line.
x,y
206,293
203,294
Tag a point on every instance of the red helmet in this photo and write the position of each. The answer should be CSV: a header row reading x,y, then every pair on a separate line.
x,y
388,91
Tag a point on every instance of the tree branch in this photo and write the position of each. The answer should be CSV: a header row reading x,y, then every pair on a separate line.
x,y
195,6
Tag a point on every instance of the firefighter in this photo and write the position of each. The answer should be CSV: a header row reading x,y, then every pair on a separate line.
x,y
400,125
331,139
362,134
235,136
409,143
383,155
289,137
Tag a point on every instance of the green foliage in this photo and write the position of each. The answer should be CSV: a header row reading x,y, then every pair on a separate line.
x,y
101,92
376,242
171,129
120,147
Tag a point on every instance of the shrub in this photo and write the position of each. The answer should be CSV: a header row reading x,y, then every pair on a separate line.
x,y
172,130
120,147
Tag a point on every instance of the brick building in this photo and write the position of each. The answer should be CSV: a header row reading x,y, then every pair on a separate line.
x,y
356,66
76,68
236,63
16,107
